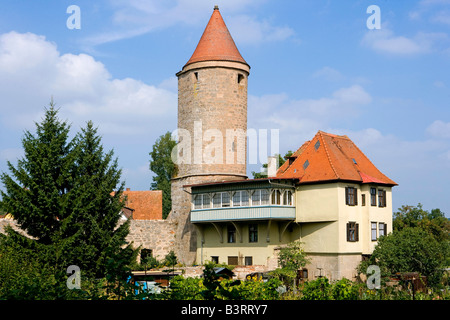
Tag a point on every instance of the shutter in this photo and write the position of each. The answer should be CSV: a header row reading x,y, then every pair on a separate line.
x,y
346,195
356,232
356,196
348,231
384,198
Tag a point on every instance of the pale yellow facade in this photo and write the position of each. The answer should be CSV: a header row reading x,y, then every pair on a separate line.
x,y
321,223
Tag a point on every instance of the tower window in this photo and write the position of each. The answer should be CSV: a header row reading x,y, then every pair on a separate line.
x,y
196,76
240,78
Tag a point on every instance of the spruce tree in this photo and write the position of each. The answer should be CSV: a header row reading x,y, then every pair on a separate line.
x,y
37,192
67,195
99,201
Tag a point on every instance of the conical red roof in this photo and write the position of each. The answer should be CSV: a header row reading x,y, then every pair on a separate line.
x,y
216,43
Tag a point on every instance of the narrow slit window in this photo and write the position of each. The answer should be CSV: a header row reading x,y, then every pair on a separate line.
x,y
240,78
196,76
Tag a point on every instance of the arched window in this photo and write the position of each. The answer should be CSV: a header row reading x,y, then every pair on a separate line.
x,y
276,197
287,198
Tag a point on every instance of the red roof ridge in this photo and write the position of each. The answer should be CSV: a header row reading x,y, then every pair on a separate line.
x,y
326,151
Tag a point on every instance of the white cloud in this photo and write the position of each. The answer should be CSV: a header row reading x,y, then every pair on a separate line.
x,y
32,70
385,41
329,74
301,119
248,30
439,129
136,17
442,17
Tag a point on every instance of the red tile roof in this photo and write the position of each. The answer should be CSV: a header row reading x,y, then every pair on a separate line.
x,y
146,205
330,157
216,43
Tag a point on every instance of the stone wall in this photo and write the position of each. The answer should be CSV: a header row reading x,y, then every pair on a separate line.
x,y
240,272
157,235
186,233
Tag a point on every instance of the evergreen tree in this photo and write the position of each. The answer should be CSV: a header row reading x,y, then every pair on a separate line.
x,y
38,190
63,194
98,205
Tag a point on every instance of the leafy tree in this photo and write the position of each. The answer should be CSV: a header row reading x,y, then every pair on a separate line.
x,y
411,249
434,222
162,165
290,259
62,194
419,243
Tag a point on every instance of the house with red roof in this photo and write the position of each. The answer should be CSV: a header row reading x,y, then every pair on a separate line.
x,y
328,195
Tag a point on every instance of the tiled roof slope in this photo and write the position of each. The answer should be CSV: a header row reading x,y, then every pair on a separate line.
x,y
216,43
330,157
146,205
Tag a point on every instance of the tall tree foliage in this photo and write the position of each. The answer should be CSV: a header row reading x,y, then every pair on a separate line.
x,y
164,168
419,243
67,195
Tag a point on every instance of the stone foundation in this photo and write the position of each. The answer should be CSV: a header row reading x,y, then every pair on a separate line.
x,y
333,266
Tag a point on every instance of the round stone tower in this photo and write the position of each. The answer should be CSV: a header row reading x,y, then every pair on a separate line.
x,y
212,124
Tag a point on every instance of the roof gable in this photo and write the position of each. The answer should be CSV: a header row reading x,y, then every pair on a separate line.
x,y
329,157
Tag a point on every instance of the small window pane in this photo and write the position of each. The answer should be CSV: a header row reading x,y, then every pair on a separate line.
x,y
373,196
237,199
317,145
382,229
264,197
374,231
206,201
244,198
276,197
198,201
216,200
231,234
256,198
306,164
225,199
253,232
287,198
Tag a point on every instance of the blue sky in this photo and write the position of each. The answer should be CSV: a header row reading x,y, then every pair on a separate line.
x,y
314,66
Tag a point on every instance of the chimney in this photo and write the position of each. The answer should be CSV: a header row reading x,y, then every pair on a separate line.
x,y
272,166
128,189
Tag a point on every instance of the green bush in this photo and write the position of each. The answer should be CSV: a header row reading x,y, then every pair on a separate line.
x,y
344,289
319,289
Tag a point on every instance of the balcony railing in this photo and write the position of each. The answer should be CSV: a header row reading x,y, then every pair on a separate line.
x,y
270,212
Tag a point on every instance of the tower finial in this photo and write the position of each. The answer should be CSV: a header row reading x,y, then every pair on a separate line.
x,y
216,7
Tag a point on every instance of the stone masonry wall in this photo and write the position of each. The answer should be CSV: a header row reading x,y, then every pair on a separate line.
x,y
157,235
